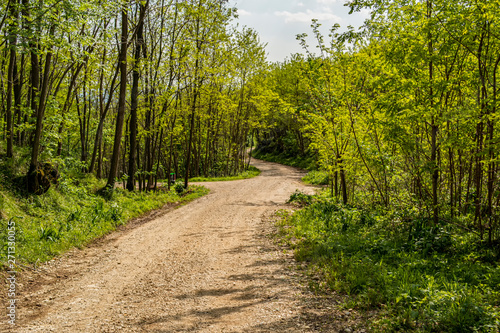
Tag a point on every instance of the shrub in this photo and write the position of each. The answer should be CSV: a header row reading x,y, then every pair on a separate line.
x,y
179,188
300,198
420,278
316,178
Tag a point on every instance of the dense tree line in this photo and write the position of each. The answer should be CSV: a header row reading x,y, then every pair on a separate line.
x,y
404,113
129,90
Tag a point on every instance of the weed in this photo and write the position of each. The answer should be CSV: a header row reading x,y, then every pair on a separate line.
x,y
73,215
48,233
420,278
316,178
300,198
250,173
179,188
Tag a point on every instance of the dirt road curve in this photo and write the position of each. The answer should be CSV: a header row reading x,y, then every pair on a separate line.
x,y
204,267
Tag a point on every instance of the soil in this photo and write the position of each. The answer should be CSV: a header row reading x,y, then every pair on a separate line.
x,y
208,266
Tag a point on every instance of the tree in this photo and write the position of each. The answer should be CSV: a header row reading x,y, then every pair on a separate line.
x,y
122,60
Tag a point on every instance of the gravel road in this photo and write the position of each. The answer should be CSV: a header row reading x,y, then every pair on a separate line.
x,y
203,267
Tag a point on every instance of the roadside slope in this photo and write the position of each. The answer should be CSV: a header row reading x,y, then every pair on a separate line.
x,y
204,267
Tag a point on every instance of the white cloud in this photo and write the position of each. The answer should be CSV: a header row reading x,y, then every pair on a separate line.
x,y
307,16
365,13
300,4
327,2
242,12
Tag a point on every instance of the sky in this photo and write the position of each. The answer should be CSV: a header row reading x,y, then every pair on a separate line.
x,y
279,21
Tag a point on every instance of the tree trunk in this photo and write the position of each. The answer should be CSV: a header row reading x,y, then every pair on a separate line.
x,y
434,126
139,40
12,42
121,102
103,112
343,182
191,130
32,184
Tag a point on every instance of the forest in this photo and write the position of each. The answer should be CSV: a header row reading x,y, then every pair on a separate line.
x,y
400,120
133,89
397,120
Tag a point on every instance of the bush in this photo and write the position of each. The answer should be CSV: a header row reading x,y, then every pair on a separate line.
x,y
316,178
420,279
307,162
179,188
300,198
71,216
250,173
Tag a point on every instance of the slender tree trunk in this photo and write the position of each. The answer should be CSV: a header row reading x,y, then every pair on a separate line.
x,y
478,177
102,151
482,100
12,42
67,104
159,159
32,184
191,130
460,180
18,84
134,101
491,151
343,182
251,150
452,182
103,111
121,101
434,125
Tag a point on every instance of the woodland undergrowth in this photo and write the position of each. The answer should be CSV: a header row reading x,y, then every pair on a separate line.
x,y
417,278
71,214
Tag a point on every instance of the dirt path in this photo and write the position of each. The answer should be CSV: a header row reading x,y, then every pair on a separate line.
x,y
204,267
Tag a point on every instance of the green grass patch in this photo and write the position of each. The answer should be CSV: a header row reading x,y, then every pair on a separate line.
x,y
71,215
250,173
419,279
303,162
316,177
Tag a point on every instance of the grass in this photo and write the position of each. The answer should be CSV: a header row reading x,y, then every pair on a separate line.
x,y
418,279
313,177
316,177
306,162
72,215
250,173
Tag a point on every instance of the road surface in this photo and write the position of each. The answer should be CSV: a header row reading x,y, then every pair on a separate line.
x,y
204,267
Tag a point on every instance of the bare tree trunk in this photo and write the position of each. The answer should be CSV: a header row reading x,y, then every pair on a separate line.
x,y
343,182
32,184
103,112
68,102
12,39
139,40
434,127
121,101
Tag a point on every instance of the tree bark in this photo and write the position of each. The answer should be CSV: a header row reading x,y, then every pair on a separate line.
x,y
121,102
434,126
12,42
139,40
32,185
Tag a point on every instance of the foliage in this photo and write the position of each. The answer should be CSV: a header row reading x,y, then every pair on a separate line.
x,y
179,187
72,215
401,114
303,162
300,198
417,278
202,84
316,177
250,173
